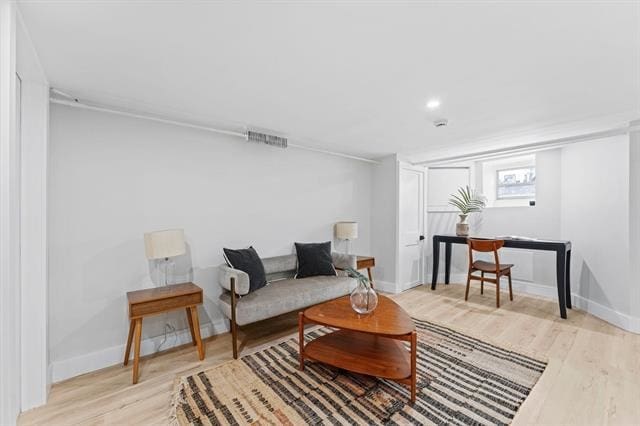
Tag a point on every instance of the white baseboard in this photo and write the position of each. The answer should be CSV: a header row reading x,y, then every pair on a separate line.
x,y
619,319
385,287
393,288
65,369
624,321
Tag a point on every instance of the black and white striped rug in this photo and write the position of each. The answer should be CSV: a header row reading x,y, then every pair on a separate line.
x,y
461,380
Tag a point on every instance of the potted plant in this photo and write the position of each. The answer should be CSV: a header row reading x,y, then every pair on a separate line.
x,y
363,299
467,201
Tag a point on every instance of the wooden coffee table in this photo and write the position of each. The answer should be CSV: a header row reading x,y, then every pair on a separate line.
x,y
365,344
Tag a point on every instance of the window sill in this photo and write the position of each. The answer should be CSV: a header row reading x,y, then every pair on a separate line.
x,y
499,204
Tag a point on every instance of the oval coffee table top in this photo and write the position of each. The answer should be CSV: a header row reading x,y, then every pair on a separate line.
x,y
388,319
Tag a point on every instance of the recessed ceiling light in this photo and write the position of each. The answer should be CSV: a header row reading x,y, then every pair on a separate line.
x,y
433,103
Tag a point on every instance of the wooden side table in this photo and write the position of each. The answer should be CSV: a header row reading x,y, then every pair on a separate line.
x,y
159,300
366,262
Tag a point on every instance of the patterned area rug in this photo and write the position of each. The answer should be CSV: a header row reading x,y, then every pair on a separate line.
x,y
461,380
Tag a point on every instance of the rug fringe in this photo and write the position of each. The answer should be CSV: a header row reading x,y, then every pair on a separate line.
x,y
176,400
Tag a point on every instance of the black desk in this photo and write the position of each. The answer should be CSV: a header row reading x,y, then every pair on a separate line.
x,y
563,262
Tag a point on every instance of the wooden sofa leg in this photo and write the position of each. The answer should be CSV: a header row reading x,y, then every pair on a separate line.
x,y
234,338
232,322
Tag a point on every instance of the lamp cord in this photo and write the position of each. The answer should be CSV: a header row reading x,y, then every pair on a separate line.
x,y
168,328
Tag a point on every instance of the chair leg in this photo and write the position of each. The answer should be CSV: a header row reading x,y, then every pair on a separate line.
x,y
466,292
497,291
482,282
510,289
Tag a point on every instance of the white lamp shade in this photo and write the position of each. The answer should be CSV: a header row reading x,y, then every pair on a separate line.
x,y
163,244
347,230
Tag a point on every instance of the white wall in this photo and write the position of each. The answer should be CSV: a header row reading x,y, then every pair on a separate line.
x,y
587,193
595,217
113,178
532,268
33,221
384,222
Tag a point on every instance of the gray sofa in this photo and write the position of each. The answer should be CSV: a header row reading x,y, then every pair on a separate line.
x,y
283,294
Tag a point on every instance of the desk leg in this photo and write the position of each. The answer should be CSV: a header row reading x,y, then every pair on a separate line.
x,y
567,284
191,329
127,352
436,261
196,330
136,349
447,262
561,265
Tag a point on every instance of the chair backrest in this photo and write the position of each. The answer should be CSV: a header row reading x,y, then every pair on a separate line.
x,y
484,245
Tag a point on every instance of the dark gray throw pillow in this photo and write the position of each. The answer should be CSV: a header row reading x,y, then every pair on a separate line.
x,y
247,260
314,259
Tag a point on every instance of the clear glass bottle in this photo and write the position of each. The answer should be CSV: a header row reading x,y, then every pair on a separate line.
x,y
363,299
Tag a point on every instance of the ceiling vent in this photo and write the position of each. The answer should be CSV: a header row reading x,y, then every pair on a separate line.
x,y
266,138
442,122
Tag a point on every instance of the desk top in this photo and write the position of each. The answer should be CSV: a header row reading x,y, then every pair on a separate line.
x,y
515,242
159,293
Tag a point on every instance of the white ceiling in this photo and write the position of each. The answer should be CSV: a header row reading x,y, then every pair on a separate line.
x,y
352,78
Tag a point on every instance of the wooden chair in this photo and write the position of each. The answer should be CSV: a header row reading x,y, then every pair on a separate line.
x,y
487,267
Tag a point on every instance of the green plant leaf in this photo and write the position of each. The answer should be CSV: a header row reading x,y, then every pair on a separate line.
x,y
467,200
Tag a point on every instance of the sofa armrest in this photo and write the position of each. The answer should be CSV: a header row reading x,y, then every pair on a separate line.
x,y
344,261
225,274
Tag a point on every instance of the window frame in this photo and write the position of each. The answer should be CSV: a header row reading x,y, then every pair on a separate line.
x,y
519,197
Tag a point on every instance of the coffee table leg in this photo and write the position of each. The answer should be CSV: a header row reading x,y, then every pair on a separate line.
x,y
301,339
414,344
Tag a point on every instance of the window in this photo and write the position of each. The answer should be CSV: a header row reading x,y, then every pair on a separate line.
x,y
516,183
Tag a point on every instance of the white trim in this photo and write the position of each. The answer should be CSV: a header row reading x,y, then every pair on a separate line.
x,y
393,288
532,147
71,367
385,287
9,221
624,321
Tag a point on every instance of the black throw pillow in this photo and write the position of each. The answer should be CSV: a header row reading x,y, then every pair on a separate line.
x,y
247,260
314,259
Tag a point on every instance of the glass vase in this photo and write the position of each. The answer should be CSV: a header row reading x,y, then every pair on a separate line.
x,y
364,299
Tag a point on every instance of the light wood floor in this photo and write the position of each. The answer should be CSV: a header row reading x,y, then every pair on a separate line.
x,y
593,376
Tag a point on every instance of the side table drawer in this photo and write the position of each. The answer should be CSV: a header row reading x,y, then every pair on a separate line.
x,y
366,263
163,305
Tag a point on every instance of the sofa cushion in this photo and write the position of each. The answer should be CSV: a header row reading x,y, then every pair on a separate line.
x,y
248,261
314,259
280,267
286,296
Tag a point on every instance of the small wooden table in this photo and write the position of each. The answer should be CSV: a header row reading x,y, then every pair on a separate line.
x,y
155,301
366,344
366,262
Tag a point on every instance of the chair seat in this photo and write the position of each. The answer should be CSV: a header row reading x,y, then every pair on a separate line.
x,y
481,265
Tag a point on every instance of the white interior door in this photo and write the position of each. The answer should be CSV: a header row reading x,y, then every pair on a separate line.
x,y
411,225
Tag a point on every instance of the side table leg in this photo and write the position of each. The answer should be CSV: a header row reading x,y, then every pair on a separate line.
x,y
301,339
136,349
196,331
414,344
127,352
193,334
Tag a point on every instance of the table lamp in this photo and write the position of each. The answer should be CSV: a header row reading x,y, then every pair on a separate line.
x,y
347,231
163,245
